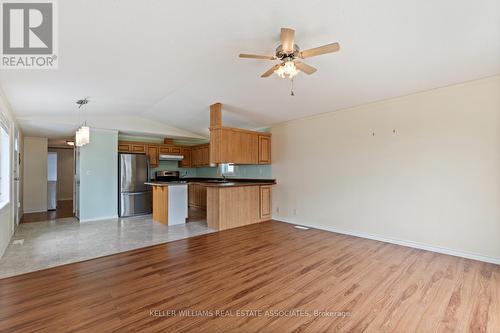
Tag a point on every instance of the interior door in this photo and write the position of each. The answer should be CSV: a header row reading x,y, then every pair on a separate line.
x,y
52,180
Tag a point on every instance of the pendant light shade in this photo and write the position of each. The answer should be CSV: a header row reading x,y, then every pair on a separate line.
x,y
85,135
82,136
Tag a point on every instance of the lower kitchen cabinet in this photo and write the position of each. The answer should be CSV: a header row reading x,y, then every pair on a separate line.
x,y
237,206
265,202
197,196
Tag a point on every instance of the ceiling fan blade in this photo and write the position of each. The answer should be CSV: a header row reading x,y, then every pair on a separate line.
x,y
270,71
255,56
287,39
329,48
305,68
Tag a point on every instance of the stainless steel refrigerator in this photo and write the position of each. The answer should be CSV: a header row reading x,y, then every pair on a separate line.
x,y
134,196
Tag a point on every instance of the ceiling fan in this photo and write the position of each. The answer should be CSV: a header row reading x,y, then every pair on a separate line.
x,y
289,53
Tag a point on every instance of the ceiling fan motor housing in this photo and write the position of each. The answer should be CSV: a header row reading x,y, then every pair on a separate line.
x,y
282,55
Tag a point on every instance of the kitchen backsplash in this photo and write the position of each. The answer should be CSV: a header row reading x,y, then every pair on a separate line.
x,y
240,171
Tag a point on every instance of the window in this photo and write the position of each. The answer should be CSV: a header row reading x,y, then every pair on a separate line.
x,y
227,169
4,160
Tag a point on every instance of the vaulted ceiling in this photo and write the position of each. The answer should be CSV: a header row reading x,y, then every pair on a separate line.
x,y
167,61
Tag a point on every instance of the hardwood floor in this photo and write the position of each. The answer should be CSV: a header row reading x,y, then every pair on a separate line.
x,y
270,266
64,209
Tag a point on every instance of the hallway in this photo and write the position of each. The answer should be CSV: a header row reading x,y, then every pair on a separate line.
x,y
64,209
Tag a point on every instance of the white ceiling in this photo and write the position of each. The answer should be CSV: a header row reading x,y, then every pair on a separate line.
x,y
167,61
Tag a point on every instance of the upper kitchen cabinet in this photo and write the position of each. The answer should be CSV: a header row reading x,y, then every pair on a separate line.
x,y
131,147
264,149
186,161
200,155
170,150
236,145
153,154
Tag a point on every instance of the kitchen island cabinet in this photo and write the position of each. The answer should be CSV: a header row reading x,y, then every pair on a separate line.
x,y
169,202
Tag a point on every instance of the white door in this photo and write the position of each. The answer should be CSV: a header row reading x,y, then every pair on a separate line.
x,y
16,195
52,180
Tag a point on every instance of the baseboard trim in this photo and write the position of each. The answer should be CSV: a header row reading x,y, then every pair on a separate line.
x,y
416,245
34,211
99,218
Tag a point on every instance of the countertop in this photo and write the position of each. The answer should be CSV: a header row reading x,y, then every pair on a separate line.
x,y
216,182
231,183
155,183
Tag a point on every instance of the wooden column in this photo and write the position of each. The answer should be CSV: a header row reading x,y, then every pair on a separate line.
x,y
216,115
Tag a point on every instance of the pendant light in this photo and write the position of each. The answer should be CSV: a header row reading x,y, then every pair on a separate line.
x,y
82,135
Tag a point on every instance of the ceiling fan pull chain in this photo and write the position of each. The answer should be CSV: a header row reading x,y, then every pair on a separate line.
x,y
291,90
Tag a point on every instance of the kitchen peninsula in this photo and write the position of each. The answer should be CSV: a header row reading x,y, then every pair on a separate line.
x,y
232,204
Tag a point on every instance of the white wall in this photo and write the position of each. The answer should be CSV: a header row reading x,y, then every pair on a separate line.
x,y
7,224
65,166
99,176
434,183
35,174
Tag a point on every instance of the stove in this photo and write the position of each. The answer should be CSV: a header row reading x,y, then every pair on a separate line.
x,y
168,176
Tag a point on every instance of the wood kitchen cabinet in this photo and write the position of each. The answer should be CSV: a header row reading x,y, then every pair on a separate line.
x,y
264,149
170,150
197,196
123,147
237,206
265,202
195,156
153,154
186,161
138,148
238,146
131,147
200,156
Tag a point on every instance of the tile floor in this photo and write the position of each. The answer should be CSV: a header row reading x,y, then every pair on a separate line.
x,y
62,241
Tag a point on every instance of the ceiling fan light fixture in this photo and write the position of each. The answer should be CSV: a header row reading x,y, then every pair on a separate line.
x,y
287,70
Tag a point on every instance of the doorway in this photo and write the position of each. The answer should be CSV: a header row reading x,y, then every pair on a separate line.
x,y
52,184
60,164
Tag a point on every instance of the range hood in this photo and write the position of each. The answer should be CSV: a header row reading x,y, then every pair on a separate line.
x,y
164,157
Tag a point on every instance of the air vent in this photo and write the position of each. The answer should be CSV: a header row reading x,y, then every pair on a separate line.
x,y
301,227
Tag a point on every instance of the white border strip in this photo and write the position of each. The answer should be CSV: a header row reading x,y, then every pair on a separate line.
x,y
416,245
